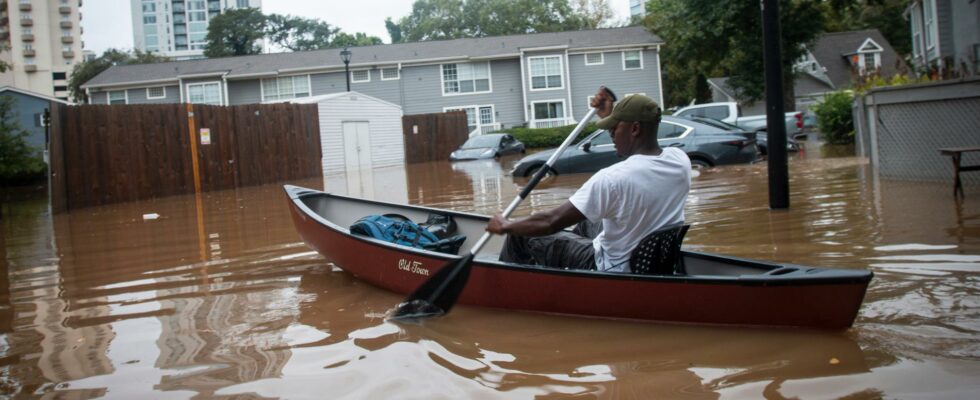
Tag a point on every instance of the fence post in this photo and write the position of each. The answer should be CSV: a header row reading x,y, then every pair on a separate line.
x,y
192,131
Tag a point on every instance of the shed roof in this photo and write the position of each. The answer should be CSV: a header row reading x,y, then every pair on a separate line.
x,y
264,65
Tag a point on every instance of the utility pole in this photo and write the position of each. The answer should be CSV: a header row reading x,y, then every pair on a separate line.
x,y
775,112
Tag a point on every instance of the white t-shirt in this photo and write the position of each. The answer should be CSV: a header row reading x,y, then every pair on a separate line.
x,y
633,198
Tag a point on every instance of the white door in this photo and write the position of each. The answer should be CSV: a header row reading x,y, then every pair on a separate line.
x,y
357,157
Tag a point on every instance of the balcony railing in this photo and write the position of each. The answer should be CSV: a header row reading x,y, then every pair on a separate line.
x,y
25,6
66,25
30,68
551,123
485,129
29,53
67,54
26,22
67,39
64,9
27,37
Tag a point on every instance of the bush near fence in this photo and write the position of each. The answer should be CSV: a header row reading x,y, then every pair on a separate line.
x,y
534,138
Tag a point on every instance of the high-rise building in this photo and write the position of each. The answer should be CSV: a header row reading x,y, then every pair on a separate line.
x,y
42,42
637,8
178,28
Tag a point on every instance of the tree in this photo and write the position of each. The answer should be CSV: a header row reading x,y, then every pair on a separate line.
x,y
235,33
298,33
86,70
595,13
707,35
344,39
452,19
394,30
18,160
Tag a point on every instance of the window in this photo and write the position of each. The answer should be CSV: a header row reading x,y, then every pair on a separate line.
x,y
66,48
929,12
478,117
870,61
241,3
715,112
545,72
388,74
360,76
28,47
26,31
149,19
59,76
204,93
594,59
117,97
286,87
549,110
916,34
670,130
158,92
633,59
465,78
25,15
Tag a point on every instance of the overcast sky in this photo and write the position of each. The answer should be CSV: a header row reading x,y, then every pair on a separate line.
x,y
108,23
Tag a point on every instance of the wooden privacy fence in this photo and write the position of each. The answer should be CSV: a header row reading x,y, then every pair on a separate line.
x,y
431,137
102,154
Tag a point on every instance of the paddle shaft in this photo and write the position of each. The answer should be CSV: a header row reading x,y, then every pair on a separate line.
x,y
538,176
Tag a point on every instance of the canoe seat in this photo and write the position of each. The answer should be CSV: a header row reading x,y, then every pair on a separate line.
x,y
660,252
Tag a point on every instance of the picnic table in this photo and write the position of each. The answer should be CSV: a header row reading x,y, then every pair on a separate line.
x,y
956,154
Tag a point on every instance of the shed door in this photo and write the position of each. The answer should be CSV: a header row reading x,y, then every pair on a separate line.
x,y
357,156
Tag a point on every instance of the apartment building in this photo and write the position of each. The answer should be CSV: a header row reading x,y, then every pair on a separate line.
x,y
178,28
42,40
539,80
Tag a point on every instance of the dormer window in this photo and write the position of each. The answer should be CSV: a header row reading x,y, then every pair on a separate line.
x,y
868,58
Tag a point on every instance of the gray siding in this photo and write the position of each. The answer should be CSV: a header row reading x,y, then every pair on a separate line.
x,y
586,79
27,109
423,92
966,33
534,96
98,98
944,18
138,96
328,83
389,90
244,92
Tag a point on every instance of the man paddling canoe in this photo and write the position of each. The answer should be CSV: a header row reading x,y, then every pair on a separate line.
x,y
617,207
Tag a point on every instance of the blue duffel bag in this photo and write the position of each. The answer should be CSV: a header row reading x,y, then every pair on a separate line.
x,y
398,229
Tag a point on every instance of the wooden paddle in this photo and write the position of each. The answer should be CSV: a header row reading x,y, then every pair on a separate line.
x,y
438,294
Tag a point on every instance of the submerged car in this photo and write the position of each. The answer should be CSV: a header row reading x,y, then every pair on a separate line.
x,y
761,138
491,145
706,145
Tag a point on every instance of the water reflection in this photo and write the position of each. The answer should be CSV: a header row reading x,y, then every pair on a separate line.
x,y
220,297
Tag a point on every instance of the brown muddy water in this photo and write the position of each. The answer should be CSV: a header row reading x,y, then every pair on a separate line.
x,y
221,299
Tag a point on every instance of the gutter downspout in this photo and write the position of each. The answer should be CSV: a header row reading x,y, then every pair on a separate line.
x,y
224,83
88,95
180,89
524,90
568,91
660,79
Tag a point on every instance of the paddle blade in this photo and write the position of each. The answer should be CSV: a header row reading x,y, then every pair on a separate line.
x,y
438,294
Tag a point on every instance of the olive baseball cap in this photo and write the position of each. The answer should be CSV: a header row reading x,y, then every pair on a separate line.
x,y
635,107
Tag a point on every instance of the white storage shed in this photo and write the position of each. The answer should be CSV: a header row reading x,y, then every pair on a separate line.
x,y
358,132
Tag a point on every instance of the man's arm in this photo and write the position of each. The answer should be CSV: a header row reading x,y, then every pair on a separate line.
x,y
540,224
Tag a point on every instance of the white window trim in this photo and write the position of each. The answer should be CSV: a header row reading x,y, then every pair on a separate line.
x,y
561,72
602,58
624,59
863,66
108,95
564,109
148,97
398,73
187,89
352,80
309,85
933,31
442,80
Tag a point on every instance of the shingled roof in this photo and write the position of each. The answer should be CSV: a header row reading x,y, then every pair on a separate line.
x,y
386,54
833,49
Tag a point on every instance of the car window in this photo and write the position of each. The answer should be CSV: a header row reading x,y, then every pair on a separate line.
x,y
669,130
602,139
478,142
716,112
688,113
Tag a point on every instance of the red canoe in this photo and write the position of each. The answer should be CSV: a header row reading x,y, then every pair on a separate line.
x,y
716,289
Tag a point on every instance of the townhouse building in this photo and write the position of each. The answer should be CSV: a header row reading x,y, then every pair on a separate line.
x,y
945,35
536,80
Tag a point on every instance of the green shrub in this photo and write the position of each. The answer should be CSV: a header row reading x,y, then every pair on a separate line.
x,y
548,137
835,118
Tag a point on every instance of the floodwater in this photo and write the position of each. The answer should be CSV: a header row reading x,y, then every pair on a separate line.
x,y
219,298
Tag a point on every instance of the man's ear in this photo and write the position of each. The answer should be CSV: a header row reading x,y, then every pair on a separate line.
x,y
635,129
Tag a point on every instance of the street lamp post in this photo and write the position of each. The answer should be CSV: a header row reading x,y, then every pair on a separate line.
x,y
345,55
